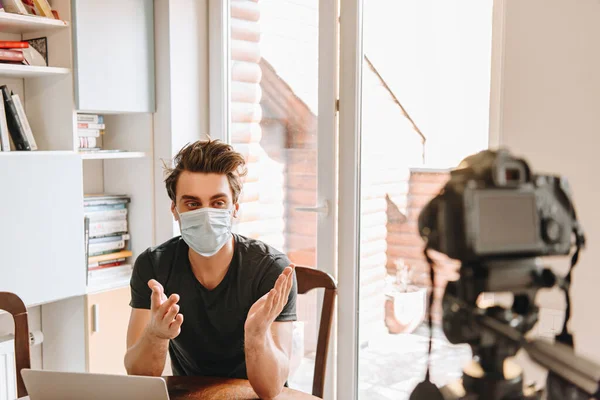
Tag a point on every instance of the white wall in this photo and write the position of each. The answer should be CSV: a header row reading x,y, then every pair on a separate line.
x,y
181,51
548,112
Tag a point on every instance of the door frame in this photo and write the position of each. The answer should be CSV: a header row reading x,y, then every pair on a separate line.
x,y
219,69
351,63
497,74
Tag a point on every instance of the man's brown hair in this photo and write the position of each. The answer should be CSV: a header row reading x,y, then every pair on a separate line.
x,y
208,156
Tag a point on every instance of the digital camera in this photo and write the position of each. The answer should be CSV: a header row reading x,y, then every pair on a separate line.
x,y
494,207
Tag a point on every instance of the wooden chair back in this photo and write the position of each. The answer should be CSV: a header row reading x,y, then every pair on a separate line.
x,y
14,305
309,279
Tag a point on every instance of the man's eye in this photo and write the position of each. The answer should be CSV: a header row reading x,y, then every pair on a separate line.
x,y
193,205
220,203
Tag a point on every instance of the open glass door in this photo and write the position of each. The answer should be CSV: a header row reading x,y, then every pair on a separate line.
x,y
414,101
273,90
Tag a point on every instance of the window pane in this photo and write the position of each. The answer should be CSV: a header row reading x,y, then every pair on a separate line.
x,y
274,90
425,97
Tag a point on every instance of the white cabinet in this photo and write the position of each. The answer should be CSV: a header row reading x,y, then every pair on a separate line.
x,y
107,318
113,55
41,226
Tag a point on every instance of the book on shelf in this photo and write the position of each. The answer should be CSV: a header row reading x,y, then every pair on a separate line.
x,y
107,245
111,256
12,44
105,199
88,143
107,264
106,248
83,126
90,118
108,238
24,121
89,128
14,6
32,57
20,52
85,132
15,127
107,214
11,56
106,228
4,134
43,8
103,207
86,243
29,7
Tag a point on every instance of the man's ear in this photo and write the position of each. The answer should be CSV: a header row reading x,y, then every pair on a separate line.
x,y
174,211
236,210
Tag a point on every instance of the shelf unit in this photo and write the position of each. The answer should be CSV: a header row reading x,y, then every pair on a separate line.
x,y
55,178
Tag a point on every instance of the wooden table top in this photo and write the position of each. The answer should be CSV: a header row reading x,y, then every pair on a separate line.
x,y
199,387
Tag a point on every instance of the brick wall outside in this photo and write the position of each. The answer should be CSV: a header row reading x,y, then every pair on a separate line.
x,y
405,245
262,211
282,164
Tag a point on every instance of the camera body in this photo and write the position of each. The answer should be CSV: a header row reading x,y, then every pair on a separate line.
x,y
494,207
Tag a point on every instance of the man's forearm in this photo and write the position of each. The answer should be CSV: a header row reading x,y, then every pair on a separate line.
x,y
267,366
147,356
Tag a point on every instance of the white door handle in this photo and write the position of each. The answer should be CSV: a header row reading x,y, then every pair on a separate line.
x,y
322,209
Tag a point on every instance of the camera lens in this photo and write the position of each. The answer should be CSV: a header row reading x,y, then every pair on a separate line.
x,y
513,175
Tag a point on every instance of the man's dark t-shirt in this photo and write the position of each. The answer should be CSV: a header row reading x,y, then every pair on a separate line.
x,y
211,342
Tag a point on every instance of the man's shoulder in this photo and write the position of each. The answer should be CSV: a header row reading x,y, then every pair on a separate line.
x,y
259,251
169,245
161,254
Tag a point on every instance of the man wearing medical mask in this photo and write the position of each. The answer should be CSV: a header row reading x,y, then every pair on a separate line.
x,y
237,295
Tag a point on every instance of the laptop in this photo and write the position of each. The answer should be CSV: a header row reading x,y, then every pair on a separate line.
x,y
53,385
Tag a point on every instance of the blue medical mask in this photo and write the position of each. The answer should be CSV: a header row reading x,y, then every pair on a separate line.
x,y
206,230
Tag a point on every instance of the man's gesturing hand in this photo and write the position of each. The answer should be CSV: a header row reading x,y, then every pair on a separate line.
x,y
268,307
165,322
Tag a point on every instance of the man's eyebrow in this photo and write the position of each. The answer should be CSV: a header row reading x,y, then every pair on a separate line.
x,y
218,196
189,197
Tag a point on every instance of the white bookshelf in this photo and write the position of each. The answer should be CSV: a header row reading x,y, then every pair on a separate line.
x,y
16,23
54,179
112,156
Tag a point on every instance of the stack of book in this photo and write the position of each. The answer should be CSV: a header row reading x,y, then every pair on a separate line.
x,y
29,7
20,52
107,239
14,123
89,129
